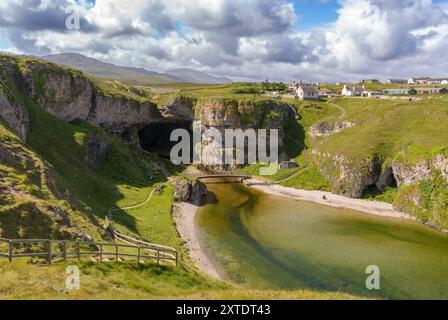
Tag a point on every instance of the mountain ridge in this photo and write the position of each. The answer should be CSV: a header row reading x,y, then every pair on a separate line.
x,y
133,75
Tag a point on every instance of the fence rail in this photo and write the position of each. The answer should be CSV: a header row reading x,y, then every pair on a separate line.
x,y
53,249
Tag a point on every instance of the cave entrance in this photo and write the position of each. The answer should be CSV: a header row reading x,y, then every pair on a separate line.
x,y
155,137
382,186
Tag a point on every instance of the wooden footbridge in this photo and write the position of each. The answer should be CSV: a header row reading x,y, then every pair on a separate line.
x,y
240,177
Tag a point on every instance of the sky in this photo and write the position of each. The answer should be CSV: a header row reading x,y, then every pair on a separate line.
x,y
317,40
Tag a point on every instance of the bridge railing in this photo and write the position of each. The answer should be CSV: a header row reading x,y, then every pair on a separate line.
x,y
51,250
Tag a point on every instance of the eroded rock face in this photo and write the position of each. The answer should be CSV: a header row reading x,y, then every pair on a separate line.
x,y
117,115
406,175
178,109
189,191
15,115
12,109
345,176
97,147
216,115
59,92
70,95
325,128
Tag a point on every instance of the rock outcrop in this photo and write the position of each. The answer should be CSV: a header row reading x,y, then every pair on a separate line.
x,y
97,147
15,115
12,108
178,108
326,128
216,115
408,174
348,177
189,190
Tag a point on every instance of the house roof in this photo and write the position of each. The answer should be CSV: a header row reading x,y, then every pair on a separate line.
x,y
308,89
353,88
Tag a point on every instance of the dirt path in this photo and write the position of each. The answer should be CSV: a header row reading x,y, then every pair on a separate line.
x,y
343,111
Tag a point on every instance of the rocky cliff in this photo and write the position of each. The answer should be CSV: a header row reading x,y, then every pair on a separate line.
x,y
218,114
69,95
422,185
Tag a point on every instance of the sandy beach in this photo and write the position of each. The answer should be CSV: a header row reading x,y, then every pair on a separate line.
x,y
186,226
330,199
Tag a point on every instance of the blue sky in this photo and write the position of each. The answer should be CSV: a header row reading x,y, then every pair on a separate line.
x,y
315,13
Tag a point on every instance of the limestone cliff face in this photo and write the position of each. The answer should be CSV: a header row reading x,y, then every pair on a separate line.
x,y
69,95
408,174
216,115
178,109
12,108
348,177
119,114
423,190
14,113
64,94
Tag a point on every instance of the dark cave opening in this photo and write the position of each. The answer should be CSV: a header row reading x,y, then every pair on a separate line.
x,y
155,137
381,186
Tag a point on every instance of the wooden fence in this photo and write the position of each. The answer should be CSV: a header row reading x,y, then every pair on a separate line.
x,y
52,250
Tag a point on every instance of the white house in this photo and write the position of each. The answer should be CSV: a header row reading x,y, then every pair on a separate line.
x,y
349,91
371,94
307,93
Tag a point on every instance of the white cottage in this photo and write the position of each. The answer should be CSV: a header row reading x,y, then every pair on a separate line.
x,y
307,93
350,91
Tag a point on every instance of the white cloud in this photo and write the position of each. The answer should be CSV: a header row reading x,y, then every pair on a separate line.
x,y
241,38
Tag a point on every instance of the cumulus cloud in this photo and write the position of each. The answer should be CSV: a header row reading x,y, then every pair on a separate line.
x,y
241,38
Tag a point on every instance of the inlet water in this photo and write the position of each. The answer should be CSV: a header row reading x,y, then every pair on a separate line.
x,y
267,242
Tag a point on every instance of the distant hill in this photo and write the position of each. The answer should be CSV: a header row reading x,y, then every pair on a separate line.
x,y
130,75
193,76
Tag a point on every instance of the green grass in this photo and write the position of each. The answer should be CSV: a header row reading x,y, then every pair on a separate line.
x,y
308,179
120,281
387,128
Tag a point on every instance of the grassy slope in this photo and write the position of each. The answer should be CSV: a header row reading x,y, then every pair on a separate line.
x,y
118,182
129,281
389,127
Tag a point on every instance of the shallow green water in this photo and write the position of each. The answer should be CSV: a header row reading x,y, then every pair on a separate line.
x,y
263,241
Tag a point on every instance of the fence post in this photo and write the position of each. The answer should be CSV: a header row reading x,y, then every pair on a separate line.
x,y
78,251
49,258
138,255
10,251
101,253
116,252
158,255
176,254
65,251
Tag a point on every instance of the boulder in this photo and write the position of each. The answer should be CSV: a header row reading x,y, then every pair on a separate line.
x,y
287,165
97,148
189,190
